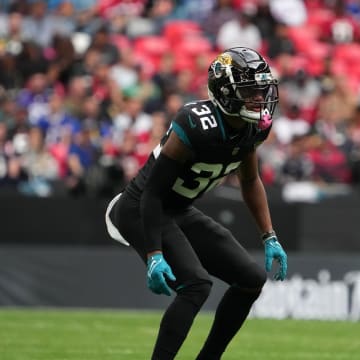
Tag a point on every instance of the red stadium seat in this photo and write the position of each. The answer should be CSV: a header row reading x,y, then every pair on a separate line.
x,y
301,36
121,41
316,54
186,52
179,30
151,47
321,20
193,46
348,53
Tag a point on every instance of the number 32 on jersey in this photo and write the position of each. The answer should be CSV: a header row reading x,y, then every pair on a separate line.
x,y
212,174
207,119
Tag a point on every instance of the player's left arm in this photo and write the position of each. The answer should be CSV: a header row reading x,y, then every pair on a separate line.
x,y
255,197
253,192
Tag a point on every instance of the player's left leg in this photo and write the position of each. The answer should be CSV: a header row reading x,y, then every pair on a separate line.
x,y
223,257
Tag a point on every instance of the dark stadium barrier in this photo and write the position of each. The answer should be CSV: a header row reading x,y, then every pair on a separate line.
x,y
55,252
331,225
317,286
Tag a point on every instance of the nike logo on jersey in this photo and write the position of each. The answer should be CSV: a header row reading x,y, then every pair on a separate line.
x,y
191,122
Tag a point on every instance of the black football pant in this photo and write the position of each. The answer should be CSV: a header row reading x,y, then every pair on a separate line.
x,y
196,248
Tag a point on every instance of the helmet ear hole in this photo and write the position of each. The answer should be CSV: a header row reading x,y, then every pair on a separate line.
x,y
225,91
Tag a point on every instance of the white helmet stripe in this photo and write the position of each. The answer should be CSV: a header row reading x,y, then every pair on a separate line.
x,y
230,76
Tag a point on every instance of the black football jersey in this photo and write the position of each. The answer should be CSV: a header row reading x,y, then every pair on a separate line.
x,y
217,151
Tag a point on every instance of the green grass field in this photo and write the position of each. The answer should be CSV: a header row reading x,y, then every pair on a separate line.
x,y
125,335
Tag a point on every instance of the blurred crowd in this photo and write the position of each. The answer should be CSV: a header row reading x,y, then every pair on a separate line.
x,y
88,87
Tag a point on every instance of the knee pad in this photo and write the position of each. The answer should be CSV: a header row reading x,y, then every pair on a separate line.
x,y
196,293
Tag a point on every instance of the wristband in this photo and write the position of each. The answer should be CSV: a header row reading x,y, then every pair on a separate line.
x,y
267,235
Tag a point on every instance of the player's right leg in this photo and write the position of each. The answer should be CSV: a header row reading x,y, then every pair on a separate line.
x,y
192,285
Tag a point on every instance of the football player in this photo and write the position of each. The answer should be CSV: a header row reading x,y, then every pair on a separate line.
x,y
182,247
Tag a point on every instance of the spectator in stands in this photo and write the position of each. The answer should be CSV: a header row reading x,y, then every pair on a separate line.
x,y
337,105
165,77
64,17
132,156
172,104
53,122
302,90
220,13
125,71
264,20
272,155
330,165
133,118
95,120
343,28
240,30
198,10
10,168
38,165
184,82
10,78
87,64
297,165
39,26
279,43
78,89
158,130
102,42
63,58
60,148
35,97
160,12
290,125
83,156
30,61
289,12
11,32
7,110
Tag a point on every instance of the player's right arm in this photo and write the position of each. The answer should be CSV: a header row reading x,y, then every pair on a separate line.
x,y
163,175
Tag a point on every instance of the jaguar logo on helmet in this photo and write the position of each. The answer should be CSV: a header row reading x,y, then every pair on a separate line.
x,y
224,59
220,64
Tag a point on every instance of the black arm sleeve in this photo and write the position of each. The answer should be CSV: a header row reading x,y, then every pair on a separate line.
x,y
161,179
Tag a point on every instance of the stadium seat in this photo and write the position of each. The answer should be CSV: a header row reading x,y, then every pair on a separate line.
x,y
348,53
152,45
186,52
121,41
152,48
321,19
179,30
301,36
316,54
193,46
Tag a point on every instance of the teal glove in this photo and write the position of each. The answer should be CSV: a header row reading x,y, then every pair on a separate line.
x,y
274,251
157,269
